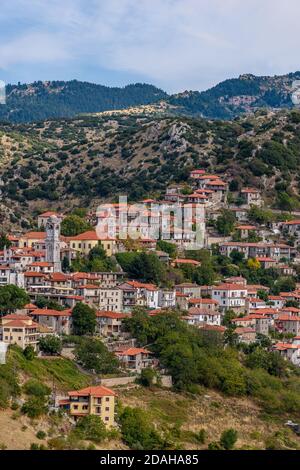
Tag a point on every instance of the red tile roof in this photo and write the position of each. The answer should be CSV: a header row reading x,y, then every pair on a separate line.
x,y
109,314
97,391
35,235
48,312
133,352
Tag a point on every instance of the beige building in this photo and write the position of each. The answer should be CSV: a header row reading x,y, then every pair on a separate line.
x,y
20,330
84,242
32,238
98,400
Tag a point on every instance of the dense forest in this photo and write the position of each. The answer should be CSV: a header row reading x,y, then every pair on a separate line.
x,y
46,100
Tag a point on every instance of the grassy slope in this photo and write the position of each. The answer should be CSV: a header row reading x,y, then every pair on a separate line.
x,y
212,412
61,372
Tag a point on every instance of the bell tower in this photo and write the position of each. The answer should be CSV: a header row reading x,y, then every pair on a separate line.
x,y
53,242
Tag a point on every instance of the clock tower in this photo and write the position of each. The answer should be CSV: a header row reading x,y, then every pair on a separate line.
x,y
53,242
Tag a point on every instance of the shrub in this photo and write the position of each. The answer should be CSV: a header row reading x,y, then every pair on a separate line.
x,y
201,436
40,435
137,432
34,407
50,345
147,377
36,388
91,428
228,439
29,353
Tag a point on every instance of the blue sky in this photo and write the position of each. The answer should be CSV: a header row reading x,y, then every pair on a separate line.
x,y
175,44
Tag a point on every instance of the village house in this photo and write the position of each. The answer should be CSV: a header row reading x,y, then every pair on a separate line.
x,y
266,262
289,351
288,324
59,321
276,300
110,298
97,400
109,324
208,304
260,323
204,317
245,230
230,296
166,298
135,359
275,251
20,330
84,242
31,238
246,334
292,227
188,288
251,196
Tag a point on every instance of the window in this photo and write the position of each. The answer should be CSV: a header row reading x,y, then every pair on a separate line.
x,y
75,407
106,418
107,408
107,399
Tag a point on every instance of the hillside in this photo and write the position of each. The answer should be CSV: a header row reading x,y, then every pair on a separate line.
x,y
55,99
213,412
63,164
236,96
40,101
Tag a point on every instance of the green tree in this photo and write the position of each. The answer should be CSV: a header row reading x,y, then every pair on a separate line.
x,y
73,225
137,432
11,298
228,316
4,241
144,266
50,345
84,319
65,265
167,247
225,223
91,428
147,377
29,353
34,407
228,438
94,356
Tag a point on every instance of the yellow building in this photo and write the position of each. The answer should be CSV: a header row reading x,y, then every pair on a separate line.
x,y
98,400
30,238
21,330
84,242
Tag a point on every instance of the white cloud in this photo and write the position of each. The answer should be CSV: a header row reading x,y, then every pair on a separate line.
x,y
179,44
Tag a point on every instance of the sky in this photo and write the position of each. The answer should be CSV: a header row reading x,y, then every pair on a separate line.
x,y
176,45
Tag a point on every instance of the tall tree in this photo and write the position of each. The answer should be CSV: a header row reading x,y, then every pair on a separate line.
x,y
84,319
11,298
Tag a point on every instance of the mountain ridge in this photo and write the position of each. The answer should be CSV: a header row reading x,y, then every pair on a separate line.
x,y
42,100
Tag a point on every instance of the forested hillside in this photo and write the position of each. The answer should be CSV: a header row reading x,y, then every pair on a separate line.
x,y
79,162
46,100
236,96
